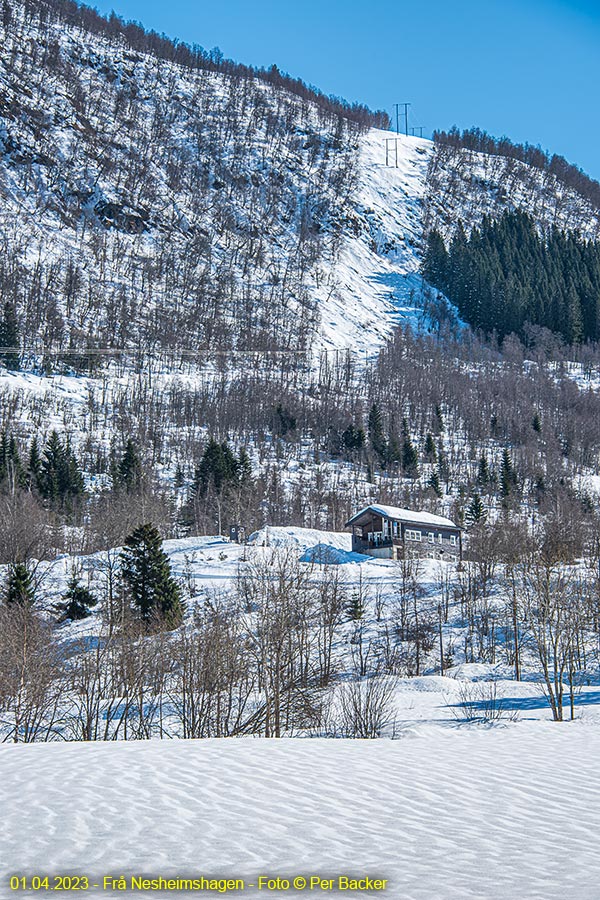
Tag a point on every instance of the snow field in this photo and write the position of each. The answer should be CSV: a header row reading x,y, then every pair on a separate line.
x,y
486,814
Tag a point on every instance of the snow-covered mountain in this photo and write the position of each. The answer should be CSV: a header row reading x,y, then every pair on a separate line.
x,y
148,202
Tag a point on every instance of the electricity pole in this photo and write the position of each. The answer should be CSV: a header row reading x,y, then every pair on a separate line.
x,y
397,105
405,105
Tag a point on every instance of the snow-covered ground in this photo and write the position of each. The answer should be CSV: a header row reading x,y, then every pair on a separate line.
x,y
491,815
377,275
441,806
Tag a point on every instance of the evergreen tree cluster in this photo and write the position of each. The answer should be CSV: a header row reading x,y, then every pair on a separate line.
x,y
506,275
53,471
59,476
392,450
220,469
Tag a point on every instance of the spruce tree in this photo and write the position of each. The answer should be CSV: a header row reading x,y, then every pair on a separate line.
x,y
377,434
34,466
77,600
483,471
430,451
353,438
355,607
60,476
410,457
244,468
476,513
147,575
218,469
18,589
3,456
16,472
508,477
284,421
128,474
436,263
9,337
434,484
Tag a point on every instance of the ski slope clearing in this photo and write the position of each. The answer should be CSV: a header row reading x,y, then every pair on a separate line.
x,y
488,814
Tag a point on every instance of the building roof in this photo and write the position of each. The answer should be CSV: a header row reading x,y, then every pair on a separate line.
x,y
403,515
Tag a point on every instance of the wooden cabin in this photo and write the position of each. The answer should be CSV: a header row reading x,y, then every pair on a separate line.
x,y
388,532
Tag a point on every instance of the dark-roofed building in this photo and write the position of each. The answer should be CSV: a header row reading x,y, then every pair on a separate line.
x,y
388,532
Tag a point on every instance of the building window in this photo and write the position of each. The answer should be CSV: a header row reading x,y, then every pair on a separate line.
x,y
431,537
412,535
453,539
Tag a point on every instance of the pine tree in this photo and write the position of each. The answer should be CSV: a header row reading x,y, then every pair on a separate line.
x,y
146,573
77,600
9,337
476,513
430,451
34,466
508,477
536,423
410,457
128,473
434,483
483,471
18,588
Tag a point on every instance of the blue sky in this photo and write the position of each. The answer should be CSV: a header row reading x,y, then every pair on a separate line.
x,y
529,69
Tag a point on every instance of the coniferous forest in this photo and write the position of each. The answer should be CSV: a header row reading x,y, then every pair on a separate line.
x,y
505,276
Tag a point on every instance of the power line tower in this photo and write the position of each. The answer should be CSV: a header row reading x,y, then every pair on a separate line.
x,y
405,114
391,142
416,128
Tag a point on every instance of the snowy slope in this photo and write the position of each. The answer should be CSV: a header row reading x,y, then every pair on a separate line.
x,y
486,815
377,276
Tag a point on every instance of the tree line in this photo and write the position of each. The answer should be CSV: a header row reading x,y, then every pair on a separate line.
x,y
480,141
192,56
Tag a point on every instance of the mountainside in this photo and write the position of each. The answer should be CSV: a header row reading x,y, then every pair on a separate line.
x,y
149,202
465,185
189,247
